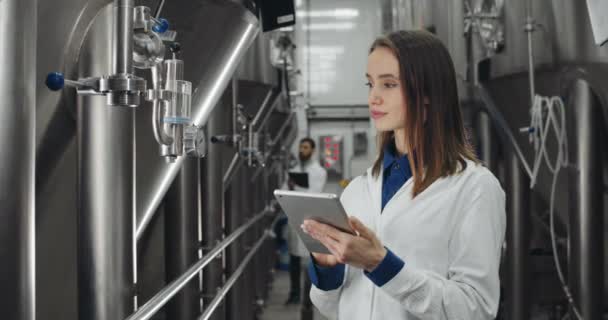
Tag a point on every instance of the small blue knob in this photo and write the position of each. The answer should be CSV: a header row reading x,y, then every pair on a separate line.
x,y
161,26
55,81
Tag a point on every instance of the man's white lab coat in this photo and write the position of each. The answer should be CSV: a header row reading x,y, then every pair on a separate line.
x,y
450,237
317,177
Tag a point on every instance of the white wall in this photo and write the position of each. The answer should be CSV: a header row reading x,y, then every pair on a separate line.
x,y
333,39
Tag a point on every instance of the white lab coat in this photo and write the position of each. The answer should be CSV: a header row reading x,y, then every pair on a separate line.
x,y
450,238
317,177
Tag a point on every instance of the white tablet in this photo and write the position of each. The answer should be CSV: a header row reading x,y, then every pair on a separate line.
x,y
323,207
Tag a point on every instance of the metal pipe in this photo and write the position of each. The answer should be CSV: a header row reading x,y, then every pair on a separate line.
x,y
212,213
246,203
282,129
518,238
181,238
235,105
159,9
157,107
17,160
106,142
250,138
586,221
486,142
122,52
157,126
160,299
213,305
235,164
265,110
235,303
260,275
529,29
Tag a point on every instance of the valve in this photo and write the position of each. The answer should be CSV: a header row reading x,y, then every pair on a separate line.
x,y
161,25
195,141
55,81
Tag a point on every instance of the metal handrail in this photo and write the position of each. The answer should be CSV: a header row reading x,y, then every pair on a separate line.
x,y
235,164
234,277
150,308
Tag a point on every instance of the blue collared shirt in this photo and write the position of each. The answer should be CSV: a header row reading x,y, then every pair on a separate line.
x,y
396,171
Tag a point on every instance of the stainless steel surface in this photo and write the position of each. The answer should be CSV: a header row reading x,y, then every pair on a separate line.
x,y
245,201
487,141
221,294
213,205
236,304
58,49
17,140
122,33
289,122
160,299
586,224
565,34
529,28
599,24
518,273
502,127
265,110
106,161
182,207
148,48
209,70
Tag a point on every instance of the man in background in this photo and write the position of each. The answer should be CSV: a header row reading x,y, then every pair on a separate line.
x,y
317,176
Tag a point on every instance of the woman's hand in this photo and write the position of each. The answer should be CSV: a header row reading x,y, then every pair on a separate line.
x,y
363,251
325,260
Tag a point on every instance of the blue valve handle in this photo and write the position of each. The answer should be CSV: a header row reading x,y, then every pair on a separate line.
x,y
161,26
55,81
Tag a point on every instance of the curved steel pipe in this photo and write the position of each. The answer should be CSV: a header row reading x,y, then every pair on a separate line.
x,y
157,127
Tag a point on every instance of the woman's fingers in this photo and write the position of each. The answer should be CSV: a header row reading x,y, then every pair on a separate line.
x,y
364,231
311,226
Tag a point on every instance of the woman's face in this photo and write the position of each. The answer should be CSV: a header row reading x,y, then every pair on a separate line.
x,y
386,99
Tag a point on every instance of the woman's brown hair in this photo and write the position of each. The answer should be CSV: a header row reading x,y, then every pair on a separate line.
x,y
437,144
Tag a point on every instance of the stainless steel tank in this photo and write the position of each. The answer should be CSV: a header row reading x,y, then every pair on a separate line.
x,y
211,57
17,197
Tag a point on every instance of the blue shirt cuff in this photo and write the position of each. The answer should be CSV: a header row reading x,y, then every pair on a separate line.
x,y
386,270
326,278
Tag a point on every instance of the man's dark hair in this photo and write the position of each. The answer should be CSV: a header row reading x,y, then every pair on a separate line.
x,y
310,141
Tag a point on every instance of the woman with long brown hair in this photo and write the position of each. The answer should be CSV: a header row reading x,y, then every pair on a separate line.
x,y
430,219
